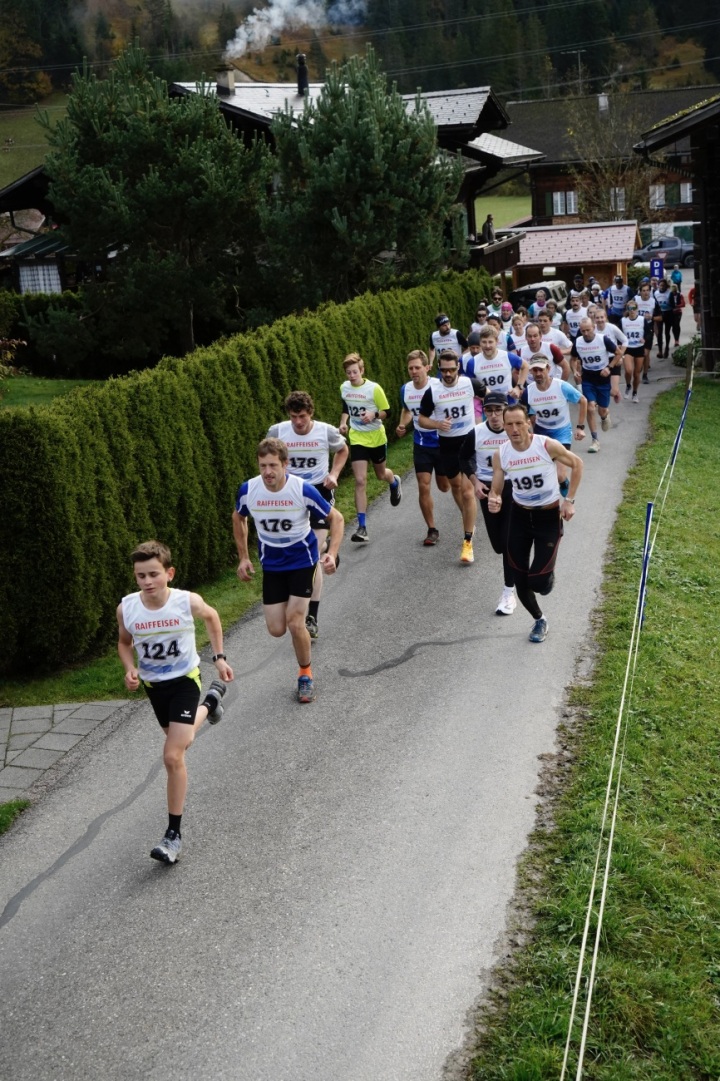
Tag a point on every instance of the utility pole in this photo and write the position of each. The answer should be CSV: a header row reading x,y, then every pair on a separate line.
x,y
572,52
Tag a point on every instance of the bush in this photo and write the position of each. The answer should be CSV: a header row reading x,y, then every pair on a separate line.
x,y
161,453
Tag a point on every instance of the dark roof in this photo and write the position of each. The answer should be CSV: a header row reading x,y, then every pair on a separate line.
x,y
544,124
37,248
28,192
680,125
460,115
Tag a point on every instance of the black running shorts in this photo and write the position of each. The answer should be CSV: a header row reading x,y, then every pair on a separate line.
x,y
279,586
360,453
175,699
427,459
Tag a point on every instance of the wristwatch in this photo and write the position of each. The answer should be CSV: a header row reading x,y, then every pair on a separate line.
x,y
569,500
219,657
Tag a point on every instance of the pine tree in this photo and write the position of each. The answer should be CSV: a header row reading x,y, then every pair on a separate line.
x,y
170,189
363,193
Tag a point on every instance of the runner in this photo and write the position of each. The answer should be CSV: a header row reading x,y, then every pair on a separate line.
x,y
499,370
616,334
446,337
447,408
559,364
476,457
547,399
646,306
280,505
426,444
158,623
364,410
310,443
595,358
536,516
633,326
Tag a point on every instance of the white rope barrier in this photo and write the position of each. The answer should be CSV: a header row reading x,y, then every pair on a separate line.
x,y
612,791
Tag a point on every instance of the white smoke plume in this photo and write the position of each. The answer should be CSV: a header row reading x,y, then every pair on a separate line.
x,y
260,26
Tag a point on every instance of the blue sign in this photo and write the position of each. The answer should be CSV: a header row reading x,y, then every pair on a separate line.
x,y
657,268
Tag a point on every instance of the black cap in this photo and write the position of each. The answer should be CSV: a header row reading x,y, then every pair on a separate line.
x,y
440,319
495,397
473,338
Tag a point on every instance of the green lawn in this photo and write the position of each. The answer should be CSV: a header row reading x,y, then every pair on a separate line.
x,y
25,390
655,1010
505,209
28,146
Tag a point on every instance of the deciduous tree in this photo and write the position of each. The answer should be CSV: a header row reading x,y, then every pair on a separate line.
x,y
613,183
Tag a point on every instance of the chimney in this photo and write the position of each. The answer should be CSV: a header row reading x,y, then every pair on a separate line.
x,y
225,80
302,75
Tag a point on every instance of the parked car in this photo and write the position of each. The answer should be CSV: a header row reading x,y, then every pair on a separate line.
x,y
524,295
673,249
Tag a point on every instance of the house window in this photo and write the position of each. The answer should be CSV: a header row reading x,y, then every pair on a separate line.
x,y
564,202
617,199
657,196
672,194
40,278
686,193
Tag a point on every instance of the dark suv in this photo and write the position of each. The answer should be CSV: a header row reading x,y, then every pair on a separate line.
x,y
673,249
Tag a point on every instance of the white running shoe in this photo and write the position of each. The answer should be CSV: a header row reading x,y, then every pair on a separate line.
x,y
507,603
168,851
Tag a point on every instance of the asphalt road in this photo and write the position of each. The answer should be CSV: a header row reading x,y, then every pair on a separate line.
x,y
347,868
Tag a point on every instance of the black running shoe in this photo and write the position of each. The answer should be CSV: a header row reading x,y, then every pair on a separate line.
x,y
360,536
311,626
395,491
212,700
432,538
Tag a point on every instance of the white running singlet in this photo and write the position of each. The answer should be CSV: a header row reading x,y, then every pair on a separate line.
x,y
282,521
309,454
164,638
634,331
486,443
532,472
411,398
454,404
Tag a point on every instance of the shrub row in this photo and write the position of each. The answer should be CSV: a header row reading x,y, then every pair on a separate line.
x,y
161,453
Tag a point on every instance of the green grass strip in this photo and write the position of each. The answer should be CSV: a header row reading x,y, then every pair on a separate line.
x,y
102,679
655,1013
10,811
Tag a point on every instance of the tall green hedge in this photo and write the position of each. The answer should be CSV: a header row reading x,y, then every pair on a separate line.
x,y
160,454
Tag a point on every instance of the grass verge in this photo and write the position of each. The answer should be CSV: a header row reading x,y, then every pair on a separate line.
x,y
101,679
10,811
655,1004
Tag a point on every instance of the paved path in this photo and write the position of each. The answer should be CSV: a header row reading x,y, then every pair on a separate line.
x,y
35,738
343,892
